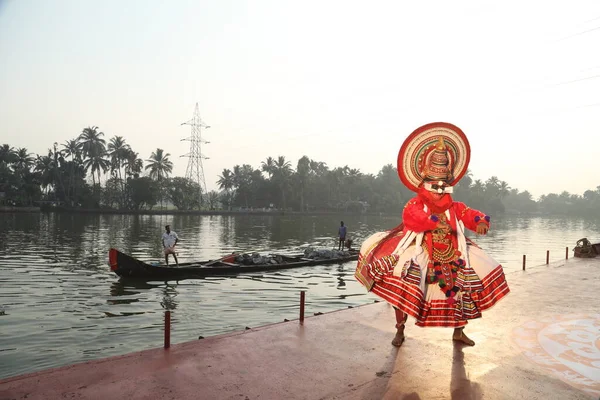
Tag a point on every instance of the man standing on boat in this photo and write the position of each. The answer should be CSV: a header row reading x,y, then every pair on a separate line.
x,y
169,240
342,236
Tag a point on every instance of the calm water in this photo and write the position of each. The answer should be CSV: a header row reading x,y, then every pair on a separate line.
x,y
60,304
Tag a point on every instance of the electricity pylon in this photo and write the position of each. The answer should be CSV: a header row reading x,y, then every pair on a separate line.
x,y
195,169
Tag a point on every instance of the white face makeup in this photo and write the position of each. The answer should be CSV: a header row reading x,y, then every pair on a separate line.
x,y
439,187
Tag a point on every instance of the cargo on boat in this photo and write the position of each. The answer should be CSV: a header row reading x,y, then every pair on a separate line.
x,y
127,266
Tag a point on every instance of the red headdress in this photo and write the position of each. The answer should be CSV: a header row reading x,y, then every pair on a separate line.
x,y
434,152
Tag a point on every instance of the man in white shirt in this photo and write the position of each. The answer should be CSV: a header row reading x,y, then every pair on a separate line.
x,y
169,240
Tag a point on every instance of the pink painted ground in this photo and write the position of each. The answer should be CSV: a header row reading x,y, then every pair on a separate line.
x,y
540,342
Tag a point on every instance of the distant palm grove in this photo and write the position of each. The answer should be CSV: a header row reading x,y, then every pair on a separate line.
x,y
69,175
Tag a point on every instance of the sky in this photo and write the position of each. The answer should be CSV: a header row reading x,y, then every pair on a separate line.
x,y
344,82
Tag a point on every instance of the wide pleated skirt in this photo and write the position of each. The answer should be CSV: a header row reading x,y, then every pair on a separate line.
x,y
404,286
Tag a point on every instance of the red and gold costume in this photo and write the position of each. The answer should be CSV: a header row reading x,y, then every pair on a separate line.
x,y
426,267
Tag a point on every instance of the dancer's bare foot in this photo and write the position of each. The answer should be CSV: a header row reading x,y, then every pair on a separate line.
x,y
459,336
399,338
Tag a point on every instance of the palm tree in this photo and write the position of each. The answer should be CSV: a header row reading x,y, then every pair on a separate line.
x,y
226,181
72,148
133,164
159,165
22,160
7,154
242,180
268,165
46,167
492,187
97,163
281,172
92,142
352,178
93,146
212,199
503,189
118,151
303,175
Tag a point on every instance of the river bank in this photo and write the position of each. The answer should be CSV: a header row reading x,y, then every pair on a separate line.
x,y
10,209
239,212
203,212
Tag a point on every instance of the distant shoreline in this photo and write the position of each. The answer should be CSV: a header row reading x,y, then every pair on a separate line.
x,y
8,209
204,212
63,210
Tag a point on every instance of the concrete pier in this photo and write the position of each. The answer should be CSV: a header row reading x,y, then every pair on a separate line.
x,y
541,342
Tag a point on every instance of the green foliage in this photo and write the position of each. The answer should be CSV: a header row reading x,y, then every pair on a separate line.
x,y
143,193
63,176
183,193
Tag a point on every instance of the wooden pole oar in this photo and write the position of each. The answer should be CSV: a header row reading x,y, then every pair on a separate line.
x,y
219,259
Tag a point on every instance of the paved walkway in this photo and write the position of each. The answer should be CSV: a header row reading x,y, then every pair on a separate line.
x,y
541,342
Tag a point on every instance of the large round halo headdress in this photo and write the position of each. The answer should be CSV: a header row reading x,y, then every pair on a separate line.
x,y
417,150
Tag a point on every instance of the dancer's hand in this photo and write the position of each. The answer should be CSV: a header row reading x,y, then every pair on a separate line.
x,y
482,229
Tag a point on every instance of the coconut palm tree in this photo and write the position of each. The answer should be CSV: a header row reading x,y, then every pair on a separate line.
x,y
303,176
118,151
7,154
97,163
133,164
48,169
159,165
280,174
94,151
92,142
352,177
268,166
503,189
22,160
226,181
72,148
242,180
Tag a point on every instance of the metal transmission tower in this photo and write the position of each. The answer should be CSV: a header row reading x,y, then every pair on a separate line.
x,y
195,170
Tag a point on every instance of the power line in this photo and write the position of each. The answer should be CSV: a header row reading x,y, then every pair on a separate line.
x,y
577,80
590,20
578,34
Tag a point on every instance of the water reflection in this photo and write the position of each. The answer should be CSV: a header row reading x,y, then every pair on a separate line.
x,y
58,293
169,294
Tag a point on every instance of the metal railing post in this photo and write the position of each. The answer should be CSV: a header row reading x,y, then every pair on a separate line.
x,y
167,329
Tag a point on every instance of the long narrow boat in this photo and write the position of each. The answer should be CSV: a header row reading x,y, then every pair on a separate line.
x,y
127,266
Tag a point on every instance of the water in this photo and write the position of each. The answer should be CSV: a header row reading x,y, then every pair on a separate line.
x,y
60,304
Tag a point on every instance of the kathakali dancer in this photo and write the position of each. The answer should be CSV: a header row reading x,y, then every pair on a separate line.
x,y
426,267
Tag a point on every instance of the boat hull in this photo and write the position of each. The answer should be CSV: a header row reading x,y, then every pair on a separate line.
x,y
129,267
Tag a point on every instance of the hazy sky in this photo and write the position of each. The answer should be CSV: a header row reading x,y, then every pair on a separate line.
x,y
339,81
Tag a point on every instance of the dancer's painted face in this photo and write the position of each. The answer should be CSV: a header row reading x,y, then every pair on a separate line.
x,y
438,187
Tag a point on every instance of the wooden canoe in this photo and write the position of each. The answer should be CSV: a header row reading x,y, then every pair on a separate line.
x,y
127,266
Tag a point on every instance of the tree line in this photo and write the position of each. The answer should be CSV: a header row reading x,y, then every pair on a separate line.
x,y
313,186
62,176
70,175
